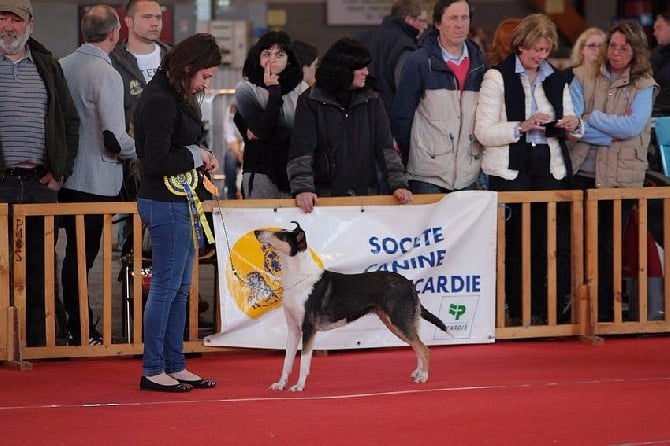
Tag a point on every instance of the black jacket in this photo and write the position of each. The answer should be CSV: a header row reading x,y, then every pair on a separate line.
x,y
660,63
133,79
335,149
387,43
164,126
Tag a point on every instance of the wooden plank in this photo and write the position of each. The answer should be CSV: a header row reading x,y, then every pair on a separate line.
x,y
107,279
82,277
50,280
552,266
526,263
5,264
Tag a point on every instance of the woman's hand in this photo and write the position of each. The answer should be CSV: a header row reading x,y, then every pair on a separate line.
x,y
306,201
535,122
209,161
402,195
250,135
51,182
569,123
270,78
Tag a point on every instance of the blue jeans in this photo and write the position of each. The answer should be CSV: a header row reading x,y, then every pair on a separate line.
x,y
172,254
421,187
230,168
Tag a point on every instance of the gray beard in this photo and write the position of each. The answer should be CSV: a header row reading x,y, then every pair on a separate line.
x,y
16,47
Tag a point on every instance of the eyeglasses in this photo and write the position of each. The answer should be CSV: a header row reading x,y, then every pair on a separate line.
x,y
623,49
593,45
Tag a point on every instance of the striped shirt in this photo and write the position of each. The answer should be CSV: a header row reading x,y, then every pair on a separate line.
x,y
23,105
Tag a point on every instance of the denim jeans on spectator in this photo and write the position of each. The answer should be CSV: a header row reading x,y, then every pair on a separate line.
x,y
172,254
231,166
421,187
15,190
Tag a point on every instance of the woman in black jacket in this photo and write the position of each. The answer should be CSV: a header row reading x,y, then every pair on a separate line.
x,y
266,102
342,132
168,126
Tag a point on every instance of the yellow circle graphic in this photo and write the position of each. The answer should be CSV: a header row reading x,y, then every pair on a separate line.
x,y
253,275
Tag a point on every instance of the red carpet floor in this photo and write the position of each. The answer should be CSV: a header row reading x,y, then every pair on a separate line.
x,y
553,392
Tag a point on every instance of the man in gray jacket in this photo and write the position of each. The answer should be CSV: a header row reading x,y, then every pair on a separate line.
x,y
97,92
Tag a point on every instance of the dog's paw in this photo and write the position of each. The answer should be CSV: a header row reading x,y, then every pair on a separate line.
x,y
277,386
419,376
297,387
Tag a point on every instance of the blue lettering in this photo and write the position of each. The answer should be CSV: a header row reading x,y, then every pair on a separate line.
x,y
457,284
389,245
374,242
476,283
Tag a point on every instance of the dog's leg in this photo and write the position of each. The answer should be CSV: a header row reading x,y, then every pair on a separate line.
x,y
420,374
291,349
308,333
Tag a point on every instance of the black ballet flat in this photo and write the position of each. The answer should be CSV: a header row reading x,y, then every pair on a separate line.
x,y
203,383
146,384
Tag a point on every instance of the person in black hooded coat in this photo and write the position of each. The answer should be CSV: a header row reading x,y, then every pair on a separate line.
x,y
341,133
266,102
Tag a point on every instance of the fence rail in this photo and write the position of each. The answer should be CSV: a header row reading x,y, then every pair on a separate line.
x,y
583,216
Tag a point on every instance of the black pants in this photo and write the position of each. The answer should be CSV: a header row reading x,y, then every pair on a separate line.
x,y
69,276
535,175
28,189
606,248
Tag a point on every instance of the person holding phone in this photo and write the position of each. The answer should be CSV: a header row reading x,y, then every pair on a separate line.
x,y
523,114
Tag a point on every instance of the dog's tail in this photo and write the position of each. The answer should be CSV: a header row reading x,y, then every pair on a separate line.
x,y
430,317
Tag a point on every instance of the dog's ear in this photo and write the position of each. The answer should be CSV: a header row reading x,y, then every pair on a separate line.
x,y
297,226
301,241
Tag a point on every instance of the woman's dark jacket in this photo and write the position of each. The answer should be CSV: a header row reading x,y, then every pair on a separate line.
x,y
660,63
335,149
165,125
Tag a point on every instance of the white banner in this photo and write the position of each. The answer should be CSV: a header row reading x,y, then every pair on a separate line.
x,y
447,248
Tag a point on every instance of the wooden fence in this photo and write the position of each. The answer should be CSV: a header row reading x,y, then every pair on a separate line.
x,y
584,271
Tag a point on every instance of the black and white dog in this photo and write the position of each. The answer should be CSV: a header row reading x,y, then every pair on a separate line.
x,y
315,299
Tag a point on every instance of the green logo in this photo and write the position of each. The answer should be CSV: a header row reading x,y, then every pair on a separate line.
x,y
457,310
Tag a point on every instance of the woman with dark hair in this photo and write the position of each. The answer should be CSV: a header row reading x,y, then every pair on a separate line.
x,y
168,126
308,57
342,133
266,102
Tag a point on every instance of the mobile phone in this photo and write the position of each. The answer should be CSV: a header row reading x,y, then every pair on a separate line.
x,y
551,131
